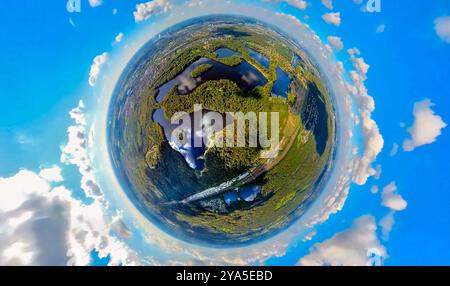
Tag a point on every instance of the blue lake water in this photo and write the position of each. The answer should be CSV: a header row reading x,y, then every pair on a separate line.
x,y
260,58
281,86
230,197
246,193
249,193
226,53
244,75
315,117
197,131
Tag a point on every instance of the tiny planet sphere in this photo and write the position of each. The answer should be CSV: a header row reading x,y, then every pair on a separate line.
x,y
179,110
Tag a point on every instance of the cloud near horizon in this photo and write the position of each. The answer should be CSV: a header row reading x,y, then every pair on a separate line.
x,y
43,224
350,247
336,42
149,9
96,68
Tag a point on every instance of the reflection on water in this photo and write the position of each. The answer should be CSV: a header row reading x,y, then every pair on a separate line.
x,y
315,117
182,136
247,193
281,85
260,58
226,53
230,197
244,75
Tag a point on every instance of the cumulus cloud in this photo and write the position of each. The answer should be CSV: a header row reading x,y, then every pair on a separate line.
x,y
96,66
52,174
391,199
442,28
395,203
119,37
336,42
42,224
373,141
75,152
386,224
426,127
149,9
299,4
95,3
332,18
350,247
328,4
335,200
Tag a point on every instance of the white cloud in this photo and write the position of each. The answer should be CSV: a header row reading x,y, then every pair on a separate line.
x,y
146,10
381,28
328,4
386,224
52,174
394,150
336,198
332,18
426,128
336,42
95,3
350,247
195,3
442,28
391,199
75,152
395,203
310,236
96,66
299,4
373,141
119,37
42,224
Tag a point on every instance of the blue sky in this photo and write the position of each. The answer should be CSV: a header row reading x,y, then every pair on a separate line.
x,y
46,61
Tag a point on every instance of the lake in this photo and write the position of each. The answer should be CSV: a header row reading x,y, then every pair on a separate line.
x,y
226,53
246,76
260,58
247,193
281,86
200,131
